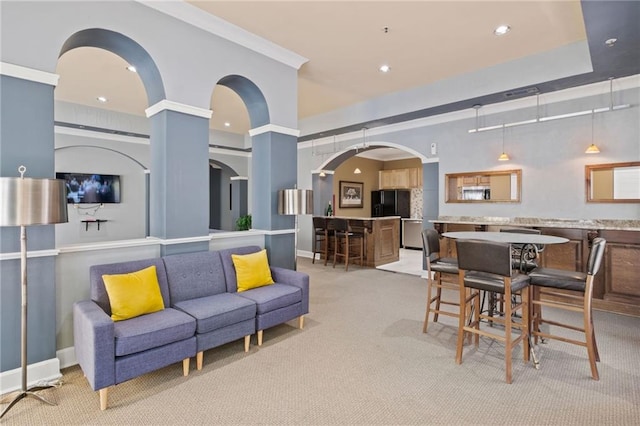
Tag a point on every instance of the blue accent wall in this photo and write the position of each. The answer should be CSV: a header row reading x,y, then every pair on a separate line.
x,y
179,175
26,138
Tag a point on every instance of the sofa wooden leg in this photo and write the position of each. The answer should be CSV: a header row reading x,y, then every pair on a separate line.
x,y
199,358
260,337
301,322
247,340
103,398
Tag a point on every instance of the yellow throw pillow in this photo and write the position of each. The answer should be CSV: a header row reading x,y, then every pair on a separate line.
x,y
133,294
252,270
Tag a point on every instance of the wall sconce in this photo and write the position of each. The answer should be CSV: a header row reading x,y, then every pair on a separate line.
x,y
503,156
593,148
357,171
322,174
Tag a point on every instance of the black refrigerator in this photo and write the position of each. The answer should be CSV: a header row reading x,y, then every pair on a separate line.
x,y
391,202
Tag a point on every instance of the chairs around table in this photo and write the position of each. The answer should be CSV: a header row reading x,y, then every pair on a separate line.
x,y
557,284
345,240
487,266
321,238
436,266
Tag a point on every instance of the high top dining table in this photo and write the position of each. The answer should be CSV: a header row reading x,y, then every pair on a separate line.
x,y
511,238
507,237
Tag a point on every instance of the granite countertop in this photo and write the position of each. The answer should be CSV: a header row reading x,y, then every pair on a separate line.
x,y
604,224
362,218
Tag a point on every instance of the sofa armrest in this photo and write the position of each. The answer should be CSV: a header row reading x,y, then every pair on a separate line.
x,y
94,343
295,278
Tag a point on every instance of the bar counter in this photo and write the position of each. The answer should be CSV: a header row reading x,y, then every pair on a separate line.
x,y
382,238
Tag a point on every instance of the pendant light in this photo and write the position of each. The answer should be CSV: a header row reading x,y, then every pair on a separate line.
x,y
503,156
592,149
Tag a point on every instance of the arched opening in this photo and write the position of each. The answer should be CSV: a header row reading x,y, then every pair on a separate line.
x,y
229,197
100,140
372,162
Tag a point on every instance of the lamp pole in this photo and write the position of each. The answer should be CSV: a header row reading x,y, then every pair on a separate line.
x,y
29,202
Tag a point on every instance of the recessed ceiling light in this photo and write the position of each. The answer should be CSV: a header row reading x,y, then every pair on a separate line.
x,y
227,124
102,99
132,68
384,68
502,30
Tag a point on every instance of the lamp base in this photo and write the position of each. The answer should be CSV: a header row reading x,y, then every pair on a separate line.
x,y
31,392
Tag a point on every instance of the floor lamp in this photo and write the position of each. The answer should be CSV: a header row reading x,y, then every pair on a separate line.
x,y
25,202
295,202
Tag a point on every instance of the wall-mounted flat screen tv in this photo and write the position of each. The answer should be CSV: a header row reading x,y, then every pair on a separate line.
x,y
91,188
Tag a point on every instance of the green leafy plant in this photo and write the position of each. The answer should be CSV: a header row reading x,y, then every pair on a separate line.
x,y
243,223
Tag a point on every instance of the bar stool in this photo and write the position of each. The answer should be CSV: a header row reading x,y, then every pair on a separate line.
x,y
437,266
486,266
321,238
346,239
561,284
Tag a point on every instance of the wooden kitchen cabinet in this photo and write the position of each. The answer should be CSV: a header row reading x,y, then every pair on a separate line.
x,y
400,178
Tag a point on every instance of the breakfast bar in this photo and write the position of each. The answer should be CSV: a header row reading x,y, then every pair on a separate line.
x,y
382,238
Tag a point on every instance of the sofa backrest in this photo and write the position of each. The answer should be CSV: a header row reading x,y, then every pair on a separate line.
x,y
194,275
227,264
99,292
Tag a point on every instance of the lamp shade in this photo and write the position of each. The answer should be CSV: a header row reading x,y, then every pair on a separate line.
x,y
295,201
27,201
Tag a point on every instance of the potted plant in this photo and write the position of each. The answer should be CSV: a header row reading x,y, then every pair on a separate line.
x,y
243,223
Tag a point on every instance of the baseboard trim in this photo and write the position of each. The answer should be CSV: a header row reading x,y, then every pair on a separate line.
x,y
67,357
41,372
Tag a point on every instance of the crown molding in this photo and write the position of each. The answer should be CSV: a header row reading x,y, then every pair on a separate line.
x,y
24,73
178,107
274,128
221,28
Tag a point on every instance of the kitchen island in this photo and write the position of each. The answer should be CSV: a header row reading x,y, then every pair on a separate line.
x,y
382,238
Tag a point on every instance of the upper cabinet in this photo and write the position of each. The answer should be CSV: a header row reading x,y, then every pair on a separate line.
x,y
491,186
400,178
613,182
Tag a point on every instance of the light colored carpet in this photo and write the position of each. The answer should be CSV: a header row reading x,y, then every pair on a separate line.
x,y
362,359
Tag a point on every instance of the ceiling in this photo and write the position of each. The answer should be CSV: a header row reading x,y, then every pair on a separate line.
x,y
423,42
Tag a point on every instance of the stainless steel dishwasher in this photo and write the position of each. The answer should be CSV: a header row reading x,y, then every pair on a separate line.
x,y
412,233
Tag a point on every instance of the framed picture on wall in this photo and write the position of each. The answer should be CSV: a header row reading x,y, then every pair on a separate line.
x,y
351,194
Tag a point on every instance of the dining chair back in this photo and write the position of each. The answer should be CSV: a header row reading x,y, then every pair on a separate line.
x,y
524,256
569,291
436,266
486,266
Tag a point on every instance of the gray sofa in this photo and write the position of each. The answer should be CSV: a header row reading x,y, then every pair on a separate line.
x,y
203,310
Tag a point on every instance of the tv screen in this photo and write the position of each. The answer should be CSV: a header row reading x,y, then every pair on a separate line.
x,y
91,188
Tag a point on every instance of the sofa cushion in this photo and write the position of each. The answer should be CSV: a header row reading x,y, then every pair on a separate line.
x,y
194,275
252,270
98,291
218,311
152,330
133,294
227,264
273,297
